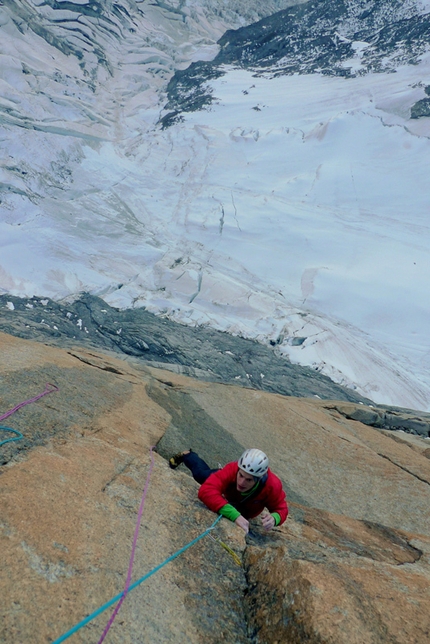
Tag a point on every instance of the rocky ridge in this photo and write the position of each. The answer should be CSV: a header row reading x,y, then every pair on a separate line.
x,y
197,351
352,562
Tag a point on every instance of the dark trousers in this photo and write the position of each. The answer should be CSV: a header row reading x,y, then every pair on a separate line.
x,y
198,467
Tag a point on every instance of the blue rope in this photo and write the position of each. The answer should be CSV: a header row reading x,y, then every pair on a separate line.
x,y
14,438
132,586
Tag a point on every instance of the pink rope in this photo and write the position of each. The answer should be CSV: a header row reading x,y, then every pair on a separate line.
x,y
48,390
133,551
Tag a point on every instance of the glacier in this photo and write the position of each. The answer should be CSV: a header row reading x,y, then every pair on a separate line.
x,y
293,208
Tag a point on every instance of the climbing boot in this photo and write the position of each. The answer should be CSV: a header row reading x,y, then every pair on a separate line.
x,y
176,460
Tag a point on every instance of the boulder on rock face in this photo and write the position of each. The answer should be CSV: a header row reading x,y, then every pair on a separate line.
x,y
364,414
393,418
351,564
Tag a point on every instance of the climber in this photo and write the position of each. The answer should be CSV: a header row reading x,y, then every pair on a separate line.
x,y
239,491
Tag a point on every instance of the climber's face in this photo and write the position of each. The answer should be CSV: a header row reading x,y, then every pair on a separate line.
x,y
244,481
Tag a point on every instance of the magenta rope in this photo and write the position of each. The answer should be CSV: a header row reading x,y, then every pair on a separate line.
x,y
133,551
49,389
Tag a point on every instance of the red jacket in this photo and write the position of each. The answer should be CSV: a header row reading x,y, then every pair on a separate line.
x,y
220,489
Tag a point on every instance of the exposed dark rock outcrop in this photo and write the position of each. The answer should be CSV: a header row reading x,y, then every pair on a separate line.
x,y
422,107
198,351
321,36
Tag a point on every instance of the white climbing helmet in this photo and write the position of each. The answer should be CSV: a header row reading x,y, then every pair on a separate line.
x,y
255,462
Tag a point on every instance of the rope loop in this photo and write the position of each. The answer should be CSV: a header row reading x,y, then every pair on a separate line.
x,y
49,389
14,438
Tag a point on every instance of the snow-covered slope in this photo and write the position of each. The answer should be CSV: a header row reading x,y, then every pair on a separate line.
x,y
293,208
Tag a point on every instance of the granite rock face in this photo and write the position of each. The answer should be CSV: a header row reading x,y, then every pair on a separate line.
x,y
70,495
350,564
